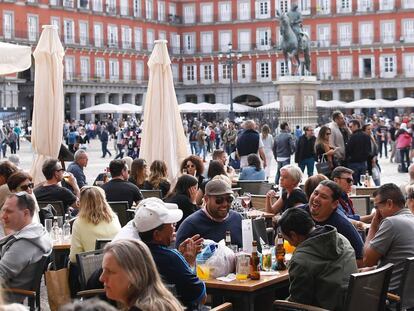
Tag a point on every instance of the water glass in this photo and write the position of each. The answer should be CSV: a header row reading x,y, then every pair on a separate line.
x,y
353,190
48,225
59,221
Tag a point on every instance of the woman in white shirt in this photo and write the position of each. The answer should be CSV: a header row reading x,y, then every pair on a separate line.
x,y
267,139
96,220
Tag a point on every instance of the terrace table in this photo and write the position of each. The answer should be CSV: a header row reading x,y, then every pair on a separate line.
x,y
256,214
243,293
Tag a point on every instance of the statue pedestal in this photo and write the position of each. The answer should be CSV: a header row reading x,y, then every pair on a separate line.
x,y
297,96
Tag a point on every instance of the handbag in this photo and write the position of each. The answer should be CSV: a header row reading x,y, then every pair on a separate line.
x,y
57,284
323,167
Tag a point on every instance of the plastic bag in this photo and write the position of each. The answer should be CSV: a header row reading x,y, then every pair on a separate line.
x,y
218,257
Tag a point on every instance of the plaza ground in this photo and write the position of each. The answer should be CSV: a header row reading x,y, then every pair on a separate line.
x,y
97,165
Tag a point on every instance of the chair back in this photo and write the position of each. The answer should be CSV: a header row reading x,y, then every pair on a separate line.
x,y
254,186
58,206
284,305
151,194
100,243
226,306
259,232
407,285
258,201
362,204
368,290
120,208
88,263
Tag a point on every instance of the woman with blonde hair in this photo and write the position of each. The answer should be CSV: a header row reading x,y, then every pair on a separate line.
x,y
96,220
158,178
130,277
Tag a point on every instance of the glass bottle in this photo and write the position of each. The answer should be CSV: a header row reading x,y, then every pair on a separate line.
x,y
56,232
280,253
228,238
254,263
66,230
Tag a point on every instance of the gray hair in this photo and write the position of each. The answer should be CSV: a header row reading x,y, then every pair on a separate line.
x,y
249,125
79,154
294,171
146,290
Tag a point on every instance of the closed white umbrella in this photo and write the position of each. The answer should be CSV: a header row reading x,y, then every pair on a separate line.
x,y
163,135
14,58
48,103
101,108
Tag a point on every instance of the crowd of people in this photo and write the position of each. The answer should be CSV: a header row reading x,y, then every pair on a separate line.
x,y
150,262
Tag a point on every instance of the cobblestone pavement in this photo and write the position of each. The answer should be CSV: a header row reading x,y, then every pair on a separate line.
x,y
97,165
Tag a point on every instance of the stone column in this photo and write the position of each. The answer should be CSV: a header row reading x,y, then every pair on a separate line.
x,y
89,102
335,94
200,98
357,94
378,93
75,106
400,93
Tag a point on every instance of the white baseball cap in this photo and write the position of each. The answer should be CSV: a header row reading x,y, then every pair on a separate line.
x,y
153,212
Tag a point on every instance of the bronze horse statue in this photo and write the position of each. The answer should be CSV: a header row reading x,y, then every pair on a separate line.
x,y
293,45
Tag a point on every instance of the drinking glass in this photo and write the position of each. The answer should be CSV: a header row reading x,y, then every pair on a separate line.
x,y
59,221
266,258
48,225
242,266
362,180
353,190
247,197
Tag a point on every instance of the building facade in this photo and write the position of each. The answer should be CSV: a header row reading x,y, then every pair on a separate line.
x,y
360,48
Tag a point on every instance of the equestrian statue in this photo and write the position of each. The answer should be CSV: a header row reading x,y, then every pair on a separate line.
x,y
294,40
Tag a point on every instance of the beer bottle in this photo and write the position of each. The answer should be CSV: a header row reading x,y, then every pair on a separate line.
x,y
228,238
254,263
280,253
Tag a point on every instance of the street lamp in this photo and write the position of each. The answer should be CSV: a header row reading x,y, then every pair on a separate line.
x,y
230,61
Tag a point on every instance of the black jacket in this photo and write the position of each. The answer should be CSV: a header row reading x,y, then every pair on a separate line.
x,y
248,142
358,148
305,148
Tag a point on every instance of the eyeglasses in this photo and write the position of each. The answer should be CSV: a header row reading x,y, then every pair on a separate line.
x,y
60,170
190,166
220,200
25,187
348,180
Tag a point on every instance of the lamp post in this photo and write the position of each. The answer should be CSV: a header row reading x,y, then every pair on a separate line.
x,y
230,61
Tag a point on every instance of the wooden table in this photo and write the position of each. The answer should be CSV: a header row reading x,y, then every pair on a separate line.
x,y
244,293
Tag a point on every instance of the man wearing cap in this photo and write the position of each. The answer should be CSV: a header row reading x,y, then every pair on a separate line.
x,y
212,221
155,222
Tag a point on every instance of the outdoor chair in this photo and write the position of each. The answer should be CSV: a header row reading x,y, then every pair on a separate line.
x,y
284,305
258,201
58,207
366,291
131,213
88,263
120,208
32,294
362,204
254,186
260,232
151,194
403,297
227,306
100,243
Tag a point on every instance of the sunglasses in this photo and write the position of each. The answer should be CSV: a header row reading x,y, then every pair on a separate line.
x,y
220,200
25,187
60,170
348,180
190,166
